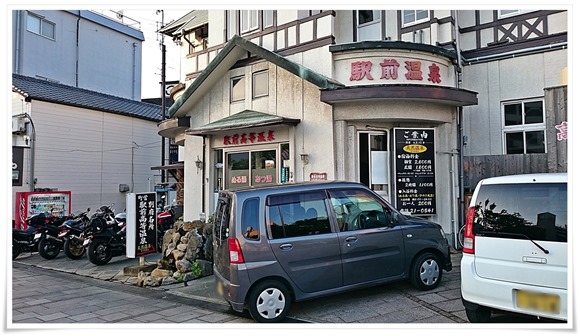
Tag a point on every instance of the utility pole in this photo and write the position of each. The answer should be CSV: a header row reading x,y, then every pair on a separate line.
x,y
162,95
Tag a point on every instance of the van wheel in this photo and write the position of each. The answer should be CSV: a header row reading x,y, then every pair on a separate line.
x,y
426,272
478,315
269,301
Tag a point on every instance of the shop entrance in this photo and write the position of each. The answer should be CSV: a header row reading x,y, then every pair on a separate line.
x,y
373,152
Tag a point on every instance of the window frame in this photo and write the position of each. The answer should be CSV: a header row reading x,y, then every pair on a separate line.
x,y
523,127
415,21
247,14
42,22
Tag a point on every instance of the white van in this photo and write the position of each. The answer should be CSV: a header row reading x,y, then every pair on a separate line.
x,y
515,247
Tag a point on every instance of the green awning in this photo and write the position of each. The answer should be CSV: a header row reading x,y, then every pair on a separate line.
x,y
242,120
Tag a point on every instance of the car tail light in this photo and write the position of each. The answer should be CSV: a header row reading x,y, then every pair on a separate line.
x,y
469,237
236,256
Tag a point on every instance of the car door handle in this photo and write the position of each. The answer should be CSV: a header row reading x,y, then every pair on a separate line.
x,y
286,247
351,239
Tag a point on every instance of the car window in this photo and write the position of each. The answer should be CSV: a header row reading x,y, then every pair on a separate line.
x,y
250,219
222,218
358,210
521,211
297,214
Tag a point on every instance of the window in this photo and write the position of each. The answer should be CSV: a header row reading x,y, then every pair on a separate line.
x,y
368,25
267,18
245,21
411,17
368,16
524,127
40,26
252,168
238,89
250,219
248,20
306,13
260,84
357,210
509,12
519,211
297,215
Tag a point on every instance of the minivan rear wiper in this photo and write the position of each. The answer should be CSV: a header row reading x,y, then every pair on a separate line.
x,y
523,235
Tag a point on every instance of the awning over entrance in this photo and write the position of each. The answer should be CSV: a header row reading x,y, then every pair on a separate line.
x,y
241,120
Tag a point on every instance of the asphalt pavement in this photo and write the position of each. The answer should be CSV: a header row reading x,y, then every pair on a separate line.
x,y
397,302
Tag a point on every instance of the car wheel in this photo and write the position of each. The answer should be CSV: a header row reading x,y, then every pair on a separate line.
x,y
269,301
478,315
426,272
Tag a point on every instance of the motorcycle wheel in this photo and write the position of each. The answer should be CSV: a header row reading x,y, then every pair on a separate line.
x,y
74,249
99,252
48,249
16,250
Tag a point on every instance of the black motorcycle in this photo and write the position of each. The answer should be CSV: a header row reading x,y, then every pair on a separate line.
x,y
47,228
24,241
105,237
72,232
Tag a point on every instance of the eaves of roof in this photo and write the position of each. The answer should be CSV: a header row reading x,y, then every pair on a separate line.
x,y
233,51
42,90
242,120
187,22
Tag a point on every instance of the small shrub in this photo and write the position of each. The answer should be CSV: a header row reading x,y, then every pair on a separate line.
x,y
195,269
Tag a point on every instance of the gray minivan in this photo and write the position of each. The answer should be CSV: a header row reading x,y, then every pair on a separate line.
x,y
275,245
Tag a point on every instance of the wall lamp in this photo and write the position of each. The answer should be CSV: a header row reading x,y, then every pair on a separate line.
x,y
304,158
199,163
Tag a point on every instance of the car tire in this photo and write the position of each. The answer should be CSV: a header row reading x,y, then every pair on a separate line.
x,y
269,302
426,272
478,315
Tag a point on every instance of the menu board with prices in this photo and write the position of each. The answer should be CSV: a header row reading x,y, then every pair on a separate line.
x,y
415,170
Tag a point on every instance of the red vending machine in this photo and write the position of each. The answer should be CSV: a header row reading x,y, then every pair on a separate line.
x,y
56,203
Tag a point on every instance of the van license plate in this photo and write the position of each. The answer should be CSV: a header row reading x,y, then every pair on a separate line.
x,y
542,302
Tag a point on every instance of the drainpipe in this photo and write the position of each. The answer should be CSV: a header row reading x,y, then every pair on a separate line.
x,y
133,86
17,42
461,207
77,49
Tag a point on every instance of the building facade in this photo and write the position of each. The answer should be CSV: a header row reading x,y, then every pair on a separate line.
x,y
78,123
393,99
79,48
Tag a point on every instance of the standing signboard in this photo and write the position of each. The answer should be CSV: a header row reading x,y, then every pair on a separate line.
x,y
141,224
415,170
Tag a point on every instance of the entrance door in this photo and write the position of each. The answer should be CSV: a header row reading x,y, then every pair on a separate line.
x,y
374,162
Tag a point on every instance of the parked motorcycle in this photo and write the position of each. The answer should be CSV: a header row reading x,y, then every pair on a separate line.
x,y
47,228
165,221
72,232
24,241
105,236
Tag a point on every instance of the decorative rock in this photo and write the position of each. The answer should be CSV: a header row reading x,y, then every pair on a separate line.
x,y
183,265
177,254
168,281
189,277
182,247
160,273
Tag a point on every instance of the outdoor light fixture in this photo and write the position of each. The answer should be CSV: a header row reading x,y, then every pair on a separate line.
x,y
199,163
304,158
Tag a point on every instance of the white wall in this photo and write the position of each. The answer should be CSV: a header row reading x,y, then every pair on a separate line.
x,y
515,78
90,153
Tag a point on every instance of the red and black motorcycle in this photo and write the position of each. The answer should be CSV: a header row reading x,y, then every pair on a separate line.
x,y
165,221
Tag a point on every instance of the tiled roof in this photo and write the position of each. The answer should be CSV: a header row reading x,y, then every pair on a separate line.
x,y
38,89
186,23
240,120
